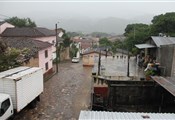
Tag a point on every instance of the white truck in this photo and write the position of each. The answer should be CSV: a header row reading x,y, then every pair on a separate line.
x,y
18,88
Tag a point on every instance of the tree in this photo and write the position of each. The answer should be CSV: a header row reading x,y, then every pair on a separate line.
x,y
3,47
21,22
8,59
105,42
99,34
66,41
117,44
164,23
11,57
136,34
73,34
73,50
130,28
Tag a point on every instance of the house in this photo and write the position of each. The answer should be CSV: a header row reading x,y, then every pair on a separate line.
x,y
4,25
36,33
85,43
40,53
92,56
161,48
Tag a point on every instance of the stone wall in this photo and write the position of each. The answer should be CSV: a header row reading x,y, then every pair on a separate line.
x,y
33,62
64,54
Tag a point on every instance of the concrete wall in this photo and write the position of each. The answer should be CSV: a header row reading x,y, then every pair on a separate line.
x,y
132,96
142,96
33,62
89,59
166,58
64,54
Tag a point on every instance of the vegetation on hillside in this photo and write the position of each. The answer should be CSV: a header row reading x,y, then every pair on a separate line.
x,y
99,34
138,33
21,22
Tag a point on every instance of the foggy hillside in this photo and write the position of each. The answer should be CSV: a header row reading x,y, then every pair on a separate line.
x,y
107,25
86,25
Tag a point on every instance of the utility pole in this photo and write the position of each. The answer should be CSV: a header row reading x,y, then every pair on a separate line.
x,y
99,63
56,45
106,52
128,64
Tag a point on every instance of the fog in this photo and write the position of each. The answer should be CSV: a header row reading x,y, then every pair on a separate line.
x,y
86,16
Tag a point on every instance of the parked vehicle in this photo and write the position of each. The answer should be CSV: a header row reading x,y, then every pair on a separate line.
x,y
18,88
75,60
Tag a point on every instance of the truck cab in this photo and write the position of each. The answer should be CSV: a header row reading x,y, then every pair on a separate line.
x,y
6,106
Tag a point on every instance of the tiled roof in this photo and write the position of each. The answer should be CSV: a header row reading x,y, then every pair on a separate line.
x,y
22,42
27,32
85,45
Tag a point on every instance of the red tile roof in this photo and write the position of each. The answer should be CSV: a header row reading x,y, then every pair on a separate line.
x,y
27,32
21,42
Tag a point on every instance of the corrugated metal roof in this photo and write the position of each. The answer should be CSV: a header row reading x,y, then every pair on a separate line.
x,y
94,115
163,40
167,83
141,46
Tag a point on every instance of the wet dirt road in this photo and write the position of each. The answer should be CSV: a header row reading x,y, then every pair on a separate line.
x,y
65,94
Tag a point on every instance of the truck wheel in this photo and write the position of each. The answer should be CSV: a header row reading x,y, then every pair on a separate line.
x,y
12,117
38,98
33,104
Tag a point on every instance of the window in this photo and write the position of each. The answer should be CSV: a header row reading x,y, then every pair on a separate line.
x,y
46,53
4,106
53,42
46,66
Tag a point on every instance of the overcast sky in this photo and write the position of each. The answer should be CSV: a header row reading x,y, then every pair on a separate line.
x,y
56,11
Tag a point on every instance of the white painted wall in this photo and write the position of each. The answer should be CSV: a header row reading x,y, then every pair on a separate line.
x,y
43,60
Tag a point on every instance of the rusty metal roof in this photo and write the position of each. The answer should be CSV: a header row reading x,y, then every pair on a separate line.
x,y
167,83
163,40
102,115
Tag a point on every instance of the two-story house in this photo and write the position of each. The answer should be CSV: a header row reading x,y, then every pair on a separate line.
x,y
39,55
36,33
